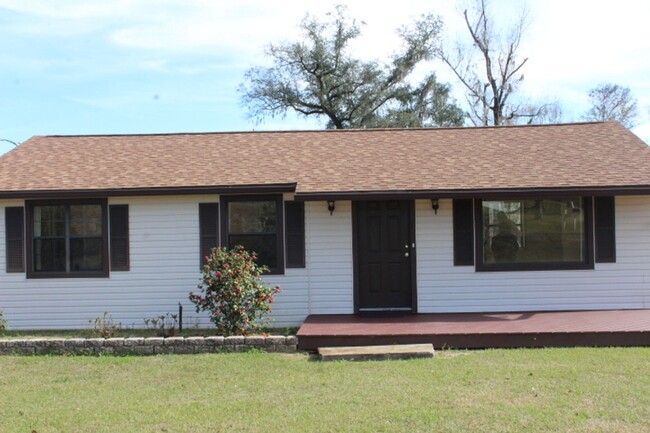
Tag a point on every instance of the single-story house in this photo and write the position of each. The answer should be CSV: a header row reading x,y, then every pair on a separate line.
x,y
491,219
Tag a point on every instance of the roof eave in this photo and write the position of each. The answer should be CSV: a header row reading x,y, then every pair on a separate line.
x,y
150,191
475,193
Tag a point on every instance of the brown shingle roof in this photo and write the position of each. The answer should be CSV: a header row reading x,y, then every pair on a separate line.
x,y
584,155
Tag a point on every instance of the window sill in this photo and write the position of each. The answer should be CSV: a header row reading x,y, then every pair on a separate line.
x,y
507,267
42,275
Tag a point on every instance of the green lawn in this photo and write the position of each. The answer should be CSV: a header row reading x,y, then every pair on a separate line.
x,y
537,390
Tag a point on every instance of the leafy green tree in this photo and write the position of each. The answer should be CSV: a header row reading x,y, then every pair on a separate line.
x,y
318,76
612,102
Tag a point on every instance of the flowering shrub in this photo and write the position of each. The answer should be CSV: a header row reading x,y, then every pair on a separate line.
x,y
232,291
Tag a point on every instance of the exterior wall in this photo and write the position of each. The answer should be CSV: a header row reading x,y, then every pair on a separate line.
x,y
443,287
164,242
164,236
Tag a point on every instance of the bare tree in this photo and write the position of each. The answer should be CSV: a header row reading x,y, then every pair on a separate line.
x,y
492,80
318,77
612,102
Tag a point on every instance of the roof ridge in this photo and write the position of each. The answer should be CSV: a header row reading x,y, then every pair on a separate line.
x,y
333,131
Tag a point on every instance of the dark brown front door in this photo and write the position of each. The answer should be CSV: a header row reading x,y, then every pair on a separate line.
x,y
384,247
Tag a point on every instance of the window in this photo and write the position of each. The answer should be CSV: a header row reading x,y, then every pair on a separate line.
x,y
67,239
255,222
535,233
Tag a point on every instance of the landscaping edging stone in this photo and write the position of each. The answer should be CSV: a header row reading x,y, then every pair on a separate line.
x,y
147,346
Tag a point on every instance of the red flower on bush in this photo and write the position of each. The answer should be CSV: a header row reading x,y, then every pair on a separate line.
x,y
233,292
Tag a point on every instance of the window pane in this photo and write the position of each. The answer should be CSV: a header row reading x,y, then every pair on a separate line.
x,y
265,246
67,238
86,254
86,220
49,255
252,216
533,231
49,221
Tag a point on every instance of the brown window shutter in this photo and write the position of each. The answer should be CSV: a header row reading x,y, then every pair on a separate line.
x,y
294,218
604,229
208,228
15,238
119,237
463,232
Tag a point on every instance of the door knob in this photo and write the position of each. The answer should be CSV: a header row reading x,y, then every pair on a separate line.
x,y
406,254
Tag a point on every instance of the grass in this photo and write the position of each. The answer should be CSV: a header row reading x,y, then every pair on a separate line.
x,y
534,390
126,332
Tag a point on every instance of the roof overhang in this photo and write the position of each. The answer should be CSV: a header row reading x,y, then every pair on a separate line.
x,y
474,193
332,195
151,191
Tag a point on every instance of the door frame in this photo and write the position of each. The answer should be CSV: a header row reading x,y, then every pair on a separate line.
x,y
413,254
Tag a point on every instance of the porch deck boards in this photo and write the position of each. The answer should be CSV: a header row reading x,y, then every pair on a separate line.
x,y
481,330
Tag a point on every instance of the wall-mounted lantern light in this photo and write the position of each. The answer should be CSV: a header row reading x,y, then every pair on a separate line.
x,y
435,205
331,205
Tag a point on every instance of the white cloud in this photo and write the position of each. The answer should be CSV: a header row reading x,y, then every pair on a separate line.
x,y
572,45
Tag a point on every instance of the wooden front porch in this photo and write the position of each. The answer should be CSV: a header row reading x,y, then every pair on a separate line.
x,y
481,330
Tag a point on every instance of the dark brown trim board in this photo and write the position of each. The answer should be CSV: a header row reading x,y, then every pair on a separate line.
x,y
149,191
474,193
414,261
332,195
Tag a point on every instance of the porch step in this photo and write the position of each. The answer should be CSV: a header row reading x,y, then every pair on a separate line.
x,y
366,353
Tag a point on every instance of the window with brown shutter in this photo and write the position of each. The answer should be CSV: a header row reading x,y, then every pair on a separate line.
x,y
208,228
67,238
119,237
604,229
15,238
534,233
255,223
294,218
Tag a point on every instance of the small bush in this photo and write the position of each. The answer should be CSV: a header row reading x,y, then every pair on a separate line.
x,y
165,324
232,291
105,326
3,323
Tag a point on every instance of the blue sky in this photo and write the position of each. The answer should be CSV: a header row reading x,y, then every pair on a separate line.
x,y
146,66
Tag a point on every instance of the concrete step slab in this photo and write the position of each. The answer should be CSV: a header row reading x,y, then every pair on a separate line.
x,y
366,353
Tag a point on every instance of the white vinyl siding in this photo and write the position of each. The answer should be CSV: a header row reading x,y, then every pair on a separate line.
x,y
164,268
164,238
443,287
